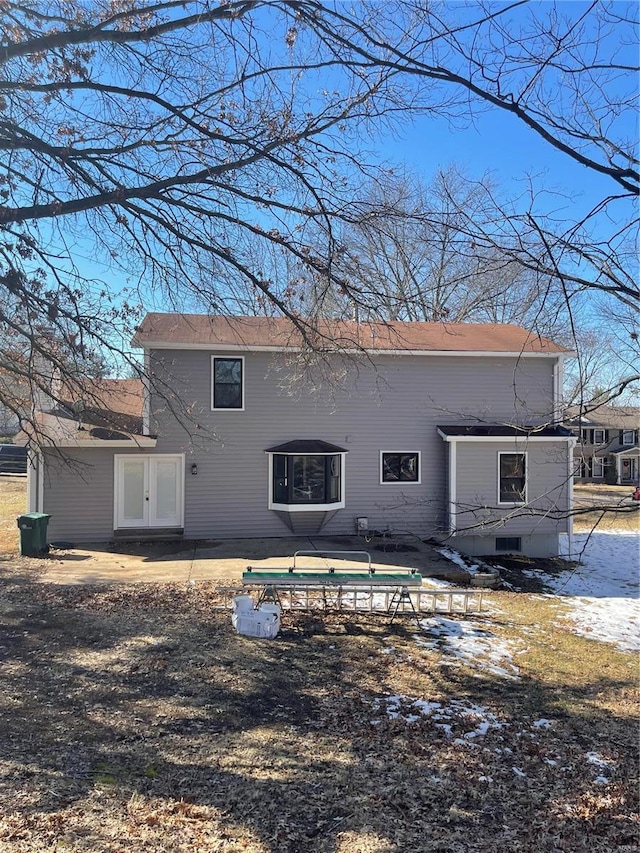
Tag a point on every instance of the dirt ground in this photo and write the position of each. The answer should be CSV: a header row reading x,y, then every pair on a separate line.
x,y
134,719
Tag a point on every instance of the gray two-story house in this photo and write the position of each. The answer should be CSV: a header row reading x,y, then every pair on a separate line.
x,y
249,430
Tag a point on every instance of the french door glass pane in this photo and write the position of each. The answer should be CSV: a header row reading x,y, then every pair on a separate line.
x,y
166,491
133,487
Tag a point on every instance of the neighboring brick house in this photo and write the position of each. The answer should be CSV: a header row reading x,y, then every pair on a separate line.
x,y
438,429
607,448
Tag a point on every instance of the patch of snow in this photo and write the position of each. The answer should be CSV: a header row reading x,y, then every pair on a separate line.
x,y
601,780
602,592
470,643
458,559
458,713
542,723
519,772
598,760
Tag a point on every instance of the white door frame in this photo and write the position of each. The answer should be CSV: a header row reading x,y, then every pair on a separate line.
x,y
147,458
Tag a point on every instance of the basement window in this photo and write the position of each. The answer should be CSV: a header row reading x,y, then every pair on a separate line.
x,y
508,543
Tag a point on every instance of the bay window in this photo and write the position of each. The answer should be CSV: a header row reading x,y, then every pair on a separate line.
x,y
306,474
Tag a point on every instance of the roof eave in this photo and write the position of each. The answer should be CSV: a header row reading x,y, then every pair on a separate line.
x,y
218,346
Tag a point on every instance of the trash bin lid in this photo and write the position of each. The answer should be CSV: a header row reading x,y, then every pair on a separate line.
x,y
34,516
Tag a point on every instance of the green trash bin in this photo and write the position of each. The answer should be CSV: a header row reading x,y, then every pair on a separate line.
x,y
33,533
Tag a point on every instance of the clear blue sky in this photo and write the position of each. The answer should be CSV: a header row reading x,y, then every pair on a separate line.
x,y
502,145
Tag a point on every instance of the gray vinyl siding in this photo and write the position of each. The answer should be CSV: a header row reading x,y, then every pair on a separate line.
x,y
478,509
393,405
78,494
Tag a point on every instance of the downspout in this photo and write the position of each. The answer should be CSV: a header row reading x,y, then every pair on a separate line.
x,y
146,394
40,493
571,443
32,481
453,521
558,380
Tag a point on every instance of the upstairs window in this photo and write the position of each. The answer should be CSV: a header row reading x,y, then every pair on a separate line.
x,y
227,379
628,437
399,467
599,436
512,478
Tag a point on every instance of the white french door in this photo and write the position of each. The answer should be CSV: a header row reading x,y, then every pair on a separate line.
x,y
149,491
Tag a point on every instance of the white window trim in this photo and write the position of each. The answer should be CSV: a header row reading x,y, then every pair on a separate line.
x,y
233,357
628,432
595,436
600,461
526,477
417,482
308,507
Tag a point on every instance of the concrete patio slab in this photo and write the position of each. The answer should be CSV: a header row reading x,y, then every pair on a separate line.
x,y
183,561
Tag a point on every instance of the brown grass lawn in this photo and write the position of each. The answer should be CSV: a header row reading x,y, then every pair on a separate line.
x,y
13,502
133,719
614,509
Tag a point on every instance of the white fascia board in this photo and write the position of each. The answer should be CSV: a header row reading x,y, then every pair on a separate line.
x,y
221,347
522,439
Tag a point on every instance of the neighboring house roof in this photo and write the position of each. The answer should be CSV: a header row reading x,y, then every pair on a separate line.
x,y
613,417
278,333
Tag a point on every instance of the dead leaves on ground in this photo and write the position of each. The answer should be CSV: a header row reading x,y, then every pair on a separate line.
x,y
133,719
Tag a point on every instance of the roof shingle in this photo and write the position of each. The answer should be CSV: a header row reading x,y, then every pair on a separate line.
x,y
281,333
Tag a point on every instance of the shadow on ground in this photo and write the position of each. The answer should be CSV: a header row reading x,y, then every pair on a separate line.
x,y
134,715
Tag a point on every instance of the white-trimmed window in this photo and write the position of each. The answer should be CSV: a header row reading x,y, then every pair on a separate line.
x,y
227,383
628,437
597,467
598,436
512,478
306,475
399,467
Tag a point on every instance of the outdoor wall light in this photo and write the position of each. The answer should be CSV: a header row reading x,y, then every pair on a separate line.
x,y
194,469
